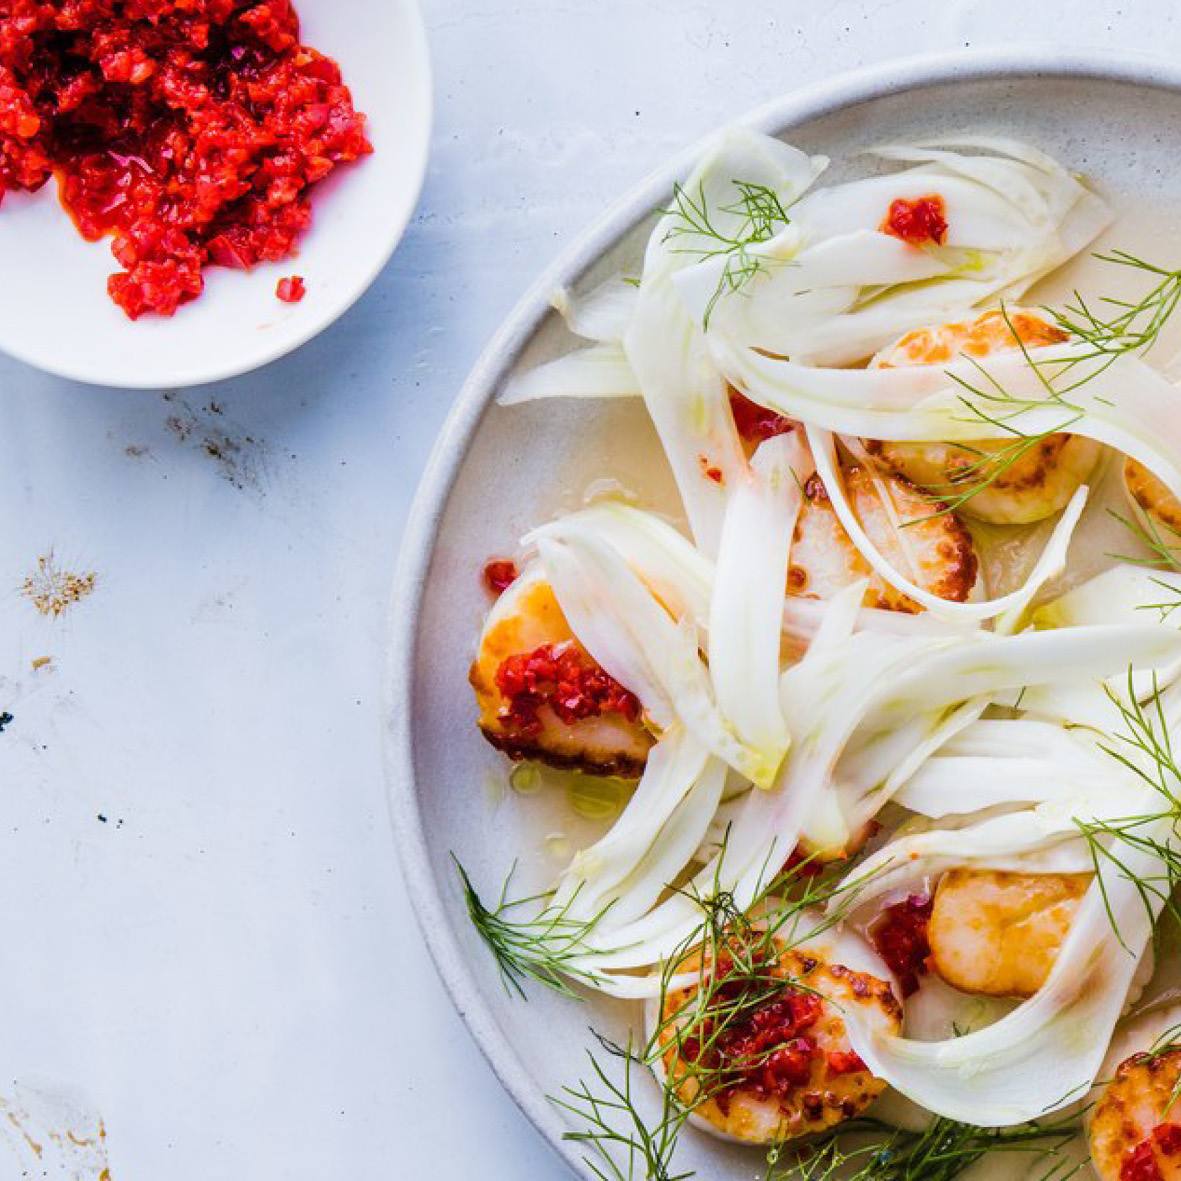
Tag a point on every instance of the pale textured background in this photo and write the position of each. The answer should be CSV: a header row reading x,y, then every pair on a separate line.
x,y
227,967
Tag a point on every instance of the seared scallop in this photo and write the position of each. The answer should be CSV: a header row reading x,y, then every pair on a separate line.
x,y
1018,484
998,933
1154,499
1135,1131
762,1062
933,548
543,697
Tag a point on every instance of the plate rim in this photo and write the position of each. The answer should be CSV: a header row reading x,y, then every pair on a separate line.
x,y
415,166
779,115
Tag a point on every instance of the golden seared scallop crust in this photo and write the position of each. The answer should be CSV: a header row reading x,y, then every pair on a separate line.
x,y
526,617
837,1085
1135,1123
936,551
1153,498
998,933
1034,485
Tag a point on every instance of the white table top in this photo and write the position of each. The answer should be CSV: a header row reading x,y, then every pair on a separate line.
x,y
208,939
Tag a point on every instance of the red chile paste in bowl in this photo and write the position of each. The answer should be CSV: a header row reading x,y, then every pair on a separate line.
x,y
190,131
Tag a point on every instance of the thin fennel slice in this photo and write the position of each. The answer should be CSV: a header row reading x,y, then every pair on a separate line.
x,y
668,564
601,314
746,612
675,765
635,639
598,371
613,616
1116,399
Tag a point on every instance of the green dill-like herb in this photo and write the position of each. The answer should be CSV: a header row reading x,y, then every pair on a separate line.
x,y
613,1125
762,215
944,1150
530,938
1131,327
1150,536
1145,749
1163,551
606,1106
987,401
630,1147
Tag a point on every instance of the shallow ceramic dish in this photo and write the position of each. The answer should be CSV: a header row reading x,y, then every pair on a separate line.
x,y
495,472
54,309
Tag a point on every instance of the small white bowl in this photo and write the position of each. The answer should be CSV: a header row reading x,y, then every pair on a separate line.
x,y
54,309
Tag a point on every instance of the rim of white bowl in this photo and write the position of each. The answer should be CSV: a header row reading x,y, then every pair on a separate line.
x,y
395,229
454,440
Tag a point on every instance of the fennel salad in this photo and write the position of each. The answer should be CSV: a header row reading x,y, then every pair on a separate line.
x,y
897,835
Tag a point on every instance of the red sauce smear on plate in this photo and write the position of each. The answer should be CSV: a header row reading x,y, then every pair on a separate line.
x,y
189,131
900,935
564,678
923,219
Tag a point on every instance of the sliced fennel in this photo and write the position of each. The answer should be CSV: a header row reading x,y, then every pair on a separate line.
x,y
601,314
599,371
1117,400
631,634
746,612
847,289
682,388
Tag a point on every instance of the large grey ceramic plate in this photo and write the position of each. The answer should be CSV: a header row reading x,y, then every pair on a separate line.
x,y
496,471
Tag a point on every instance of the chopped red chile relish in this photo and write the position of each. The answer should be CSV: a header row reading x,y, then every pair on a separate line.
x,y
500,574
923,219
1168,1138
755,423
291,289
190,131
1139,1164
844,1062
765,1051
900,935
563,677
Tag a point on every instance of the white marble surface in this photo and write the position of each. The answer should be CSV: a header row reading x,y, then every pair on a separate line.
x,y
208,941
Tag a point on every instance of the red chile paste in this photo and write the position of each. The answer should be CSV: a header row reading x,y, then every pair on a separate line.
x,y
767,1052
755,423
291,289
900,935
500,574
565,678
923,219
189,131
1140,1163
